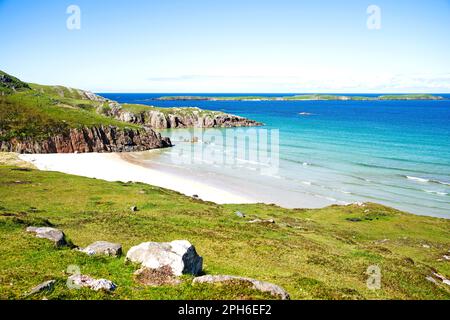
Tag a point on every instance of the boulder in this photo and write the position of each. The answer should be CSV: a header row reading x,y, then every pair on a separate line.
x,y
55,235
267,221
45,286
262,286
103,248
239,214
179,255
82,281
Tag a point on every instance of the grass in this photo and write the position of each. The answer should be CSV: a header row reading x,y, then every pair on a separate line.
x,y
34,111
33,114
313,254
180,111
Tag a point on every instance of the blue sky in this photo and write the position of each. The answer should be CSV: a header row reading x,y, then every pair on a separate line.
x,y
229,46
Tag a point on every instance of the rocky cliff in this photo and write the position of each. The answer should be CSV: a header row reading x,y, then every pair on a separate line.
x,y
95,139
37,118
175,118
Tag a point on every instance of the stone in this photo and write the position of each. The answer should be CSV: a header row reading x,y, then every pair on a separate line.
x,y
268,221
431,279
239,214
134,209
91,139
45,286
84,281
262,286
439,276
52,234
354,219
103,248
179,255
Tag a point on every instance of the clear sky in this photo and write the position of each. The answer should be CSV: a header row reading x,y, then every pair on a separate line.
x,y
229,45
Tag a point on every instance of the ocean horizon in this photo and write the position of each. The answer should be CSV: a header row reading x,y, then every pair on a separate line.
x,y
396,153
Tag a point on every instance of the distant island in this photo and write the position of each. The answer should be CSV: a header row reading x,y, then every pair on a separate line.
x,y
305,97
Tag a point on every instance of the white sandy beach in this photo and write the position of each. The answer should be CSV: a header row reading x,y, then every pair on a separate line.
x,y
155,168
112,167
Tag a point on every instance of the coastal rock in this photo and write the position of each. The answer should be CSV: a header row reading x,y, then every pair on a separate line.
x,y
256,284
83,281
52,234
45,286
103,248
179,118
180,256
95,139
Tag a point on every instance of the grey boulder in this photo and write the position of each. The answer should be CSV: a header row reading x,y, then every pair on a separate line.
x,y
103,248
262,286
180,256
240,214
45,286
52,234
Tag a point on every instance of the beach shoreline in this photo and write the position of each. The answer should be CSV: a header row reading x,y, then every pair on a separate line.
x,y
120,167
151,168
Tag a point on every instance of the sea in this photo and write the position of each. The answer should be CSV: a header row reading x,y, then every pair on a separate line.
x,y
318,153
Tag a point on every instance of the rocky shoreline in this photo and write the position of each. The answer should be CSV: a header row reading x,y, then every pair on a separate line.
x,y
94,139
26,127
177,118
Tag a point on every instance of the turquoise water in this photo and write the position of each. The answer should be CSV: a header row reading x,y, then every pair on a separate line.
x,y
391,152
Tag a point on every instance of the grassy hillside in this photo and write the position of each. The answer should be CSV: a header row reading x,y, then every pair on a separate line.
x,y
37,111
313,254
10,84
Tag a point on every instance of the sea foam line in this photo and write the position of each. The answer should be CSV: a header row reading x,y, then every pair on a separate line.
x,y
423,180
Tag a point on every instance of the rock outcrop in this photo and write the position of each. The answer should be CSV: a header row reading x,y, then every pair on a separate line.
x,y
262,286
52,234
95,139
45,286
177,118
103,248
180,256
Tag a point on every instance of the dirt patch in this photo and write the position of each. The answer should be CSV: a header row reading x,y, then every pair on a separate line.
x,y
156,277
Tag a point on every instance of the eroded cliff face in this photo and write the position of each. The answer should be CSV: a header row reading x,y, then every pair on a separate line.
x,y
179,118
95,139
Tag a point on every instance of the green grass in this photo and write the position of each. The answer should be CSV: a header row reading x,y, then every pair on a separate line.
x,y
313,254
180,111
32,114
10,84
